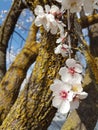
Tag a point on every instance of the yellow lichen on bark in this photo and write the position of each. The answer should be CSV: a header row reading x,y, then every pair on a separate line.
x,y
92,63
33,109
73,122
10,85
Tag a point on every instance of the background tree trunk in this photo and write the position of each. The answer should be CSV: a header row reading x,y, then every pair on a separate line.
x,y
10,84
6,31
33,110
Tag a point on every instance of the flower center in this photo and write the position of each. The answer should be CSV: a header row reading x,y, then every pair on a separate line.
x,y
75,88
71,70
63,48
63,94
73,4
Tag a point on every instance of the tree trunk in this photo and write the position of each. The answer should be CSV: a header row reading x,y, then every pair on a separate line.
x,y
6,31
33,110
10,84
93,35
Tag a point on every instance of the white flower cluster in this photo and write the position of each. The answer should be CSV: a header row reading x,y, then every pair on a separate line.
x,y
75,5
49,18
68,91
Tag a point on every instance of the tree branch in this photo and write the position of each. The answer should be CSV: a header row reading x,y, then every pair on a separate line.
x,y
11,82
33,109
6,30
88,20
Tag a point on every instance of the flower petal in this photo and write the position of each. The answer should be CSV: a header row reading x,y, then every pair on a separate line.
x,y
56,101
62,71
70,96
83,95
59,1
88,6
59,40
77,78
64,107
38,21
47,8
70,62
54,9
74,104
39,10
78,68
58,49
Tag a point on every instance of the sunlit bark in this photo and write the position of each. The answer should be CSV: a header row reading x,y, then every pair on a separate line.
x,y
6,30
11,82
33,109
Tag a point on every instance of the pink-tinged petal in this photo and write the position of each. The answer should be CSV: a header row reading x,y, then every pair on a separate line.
x,y
78,68
65,46
47,8
39,10
70,63
56,101
64,107
74,104
83,95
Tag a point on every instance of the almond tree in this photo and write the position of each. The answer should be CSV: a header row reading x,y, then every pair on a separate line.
x,y
32,109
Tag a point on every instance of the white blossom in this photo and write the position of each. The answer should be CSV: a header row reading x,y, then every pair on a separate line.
x,y
73,5
62,38
49,18
62,49
71,73
62,96
89,5
78,94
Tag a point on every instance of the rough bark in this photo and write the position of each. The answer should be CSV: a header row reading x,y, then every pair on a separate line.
x,y
93,35
6,30
11,82
33,110
88,110
73,122
86,21
87,114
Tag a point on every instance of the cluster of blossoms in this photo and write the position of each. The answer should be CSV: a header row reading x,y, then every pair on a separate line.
x,y
67,91
49,18
76,5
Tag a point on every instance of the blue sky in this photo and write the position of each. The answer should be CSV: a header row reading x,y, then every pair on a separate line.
x,y
23,24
